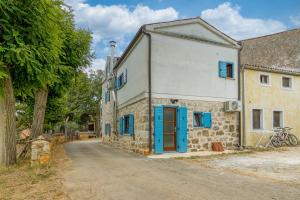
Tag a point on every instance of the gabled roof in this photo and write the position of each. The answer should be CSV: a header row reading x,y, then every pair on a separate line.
x,y
275,69
276,50
152,27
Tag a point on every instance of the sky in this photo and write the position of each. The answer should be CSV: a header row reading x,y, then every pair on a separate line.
x,y
119,20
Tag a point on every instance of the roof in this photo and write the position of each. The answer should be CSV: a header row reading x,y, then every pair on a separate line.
x,y
150,27
279,50
275,69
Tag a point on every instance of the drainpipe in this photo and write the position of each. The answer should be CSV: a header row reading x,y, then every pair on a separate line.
x,y
149,89
243,106
241,114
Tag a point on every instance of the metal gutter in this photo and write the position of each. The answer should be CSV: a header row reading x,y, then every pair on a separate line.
x,y
149,89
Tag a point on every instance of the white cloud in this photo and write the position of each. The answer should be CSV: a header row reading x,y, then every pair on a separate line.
x,y
295,20
99,63
115,22
228,19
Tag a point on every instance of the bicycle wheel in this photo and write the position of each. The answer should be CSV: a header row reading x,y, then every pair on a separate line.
x,y
293,140
276,141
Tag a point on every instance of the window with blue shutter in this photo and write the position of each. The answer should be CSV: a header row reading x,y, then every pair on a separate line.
x,y
131,124
125,76
181,137
121,126
207,120
158,129
226,69
198,119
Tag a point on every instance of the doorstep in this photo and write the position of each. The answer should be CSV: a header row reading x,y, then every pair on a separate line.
x,y
191,154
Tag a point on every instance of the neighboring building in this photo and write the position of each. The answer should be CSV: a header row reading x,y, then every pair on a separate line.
x,y
271,82
170,87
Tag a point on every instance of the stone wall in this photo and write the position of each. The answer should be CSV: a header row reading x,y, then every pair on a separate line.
x,y
225,126
138,142
107,115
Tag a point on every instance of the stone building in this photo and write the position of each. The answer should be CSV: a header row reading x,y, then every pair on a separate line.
x,y
168,90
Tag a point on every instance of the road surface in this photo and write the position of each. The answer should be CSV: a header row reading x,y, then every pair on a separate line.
x,y
101,172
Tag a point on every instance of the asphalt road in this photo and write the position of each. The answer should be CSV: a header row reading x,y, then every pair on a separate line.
x,y
101,172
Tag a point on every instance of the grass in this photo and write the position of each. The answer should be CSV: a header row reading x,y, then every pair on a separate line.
x,y
22,181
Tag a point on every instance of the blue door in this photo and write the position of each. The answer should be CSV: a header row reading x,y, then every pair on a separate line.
x,y
182,129
158,129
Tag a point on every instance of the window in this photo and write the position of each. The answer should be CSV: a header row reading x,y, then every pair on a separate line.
x,y
107,96
229,70
202,119
107,129
264,79
257,119
226,69
286,82
277,119
122,80
126,123
198,119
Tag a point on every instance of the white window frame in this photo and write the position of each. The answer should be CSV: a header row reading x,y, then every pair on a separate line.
x,y
287,88
262,120
269,78
282,117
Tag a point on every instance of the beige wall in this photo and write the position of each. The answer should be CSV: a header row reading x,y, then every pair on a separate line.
x,y
270,98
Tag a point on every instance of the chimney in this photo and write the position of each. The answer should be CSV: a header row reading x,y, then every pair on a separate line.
x,y
112,55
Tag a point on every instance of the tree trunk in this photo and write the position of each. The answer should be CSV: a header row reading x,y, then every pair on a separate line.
x,y
97,124
7,124
39,112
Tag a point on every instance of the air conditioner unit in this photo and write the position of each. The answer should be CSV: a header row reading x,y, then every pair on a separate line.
x,y
111,83
232,106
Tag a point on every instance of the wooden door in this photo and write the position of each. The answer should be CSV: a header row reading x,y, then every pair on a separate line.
x,y
169,133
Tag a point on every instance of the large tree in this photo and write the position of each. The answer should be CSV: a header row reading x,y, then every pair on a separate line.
x,y
30,43
74,56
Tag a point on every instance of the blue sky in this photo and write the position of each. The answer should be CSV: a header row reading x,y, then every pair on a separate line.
x,y
119,19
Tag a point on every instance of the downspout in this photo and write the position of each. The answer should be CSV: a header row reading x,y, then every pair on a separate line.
x,y
241,114
243,105
149,89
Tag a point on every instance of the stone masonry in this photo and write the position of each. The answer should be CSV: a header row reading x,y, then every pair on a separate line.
x,y
225,126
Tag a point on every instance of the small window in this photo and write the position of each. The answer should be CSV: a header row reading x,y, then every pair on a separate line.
x,y
126,123
198,122
226,69
229,70
277,119
257,119
264,79
286,82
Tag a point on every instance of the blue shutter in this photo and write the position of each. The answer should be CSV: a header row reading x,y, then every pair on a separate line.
x,y
120,126
158,129
125,76
123,124
181,139
222,69
131,124
118,83
207,120
232,70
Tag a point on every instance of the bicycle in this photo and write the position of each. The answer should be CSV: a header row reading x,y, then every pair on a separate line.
x,y
283,135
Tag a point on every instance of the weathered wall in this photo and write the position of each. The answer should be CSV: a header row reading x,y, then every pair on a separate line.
x,y
225,126
270,98
106,110
139,141
136,64
274,50
188,69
